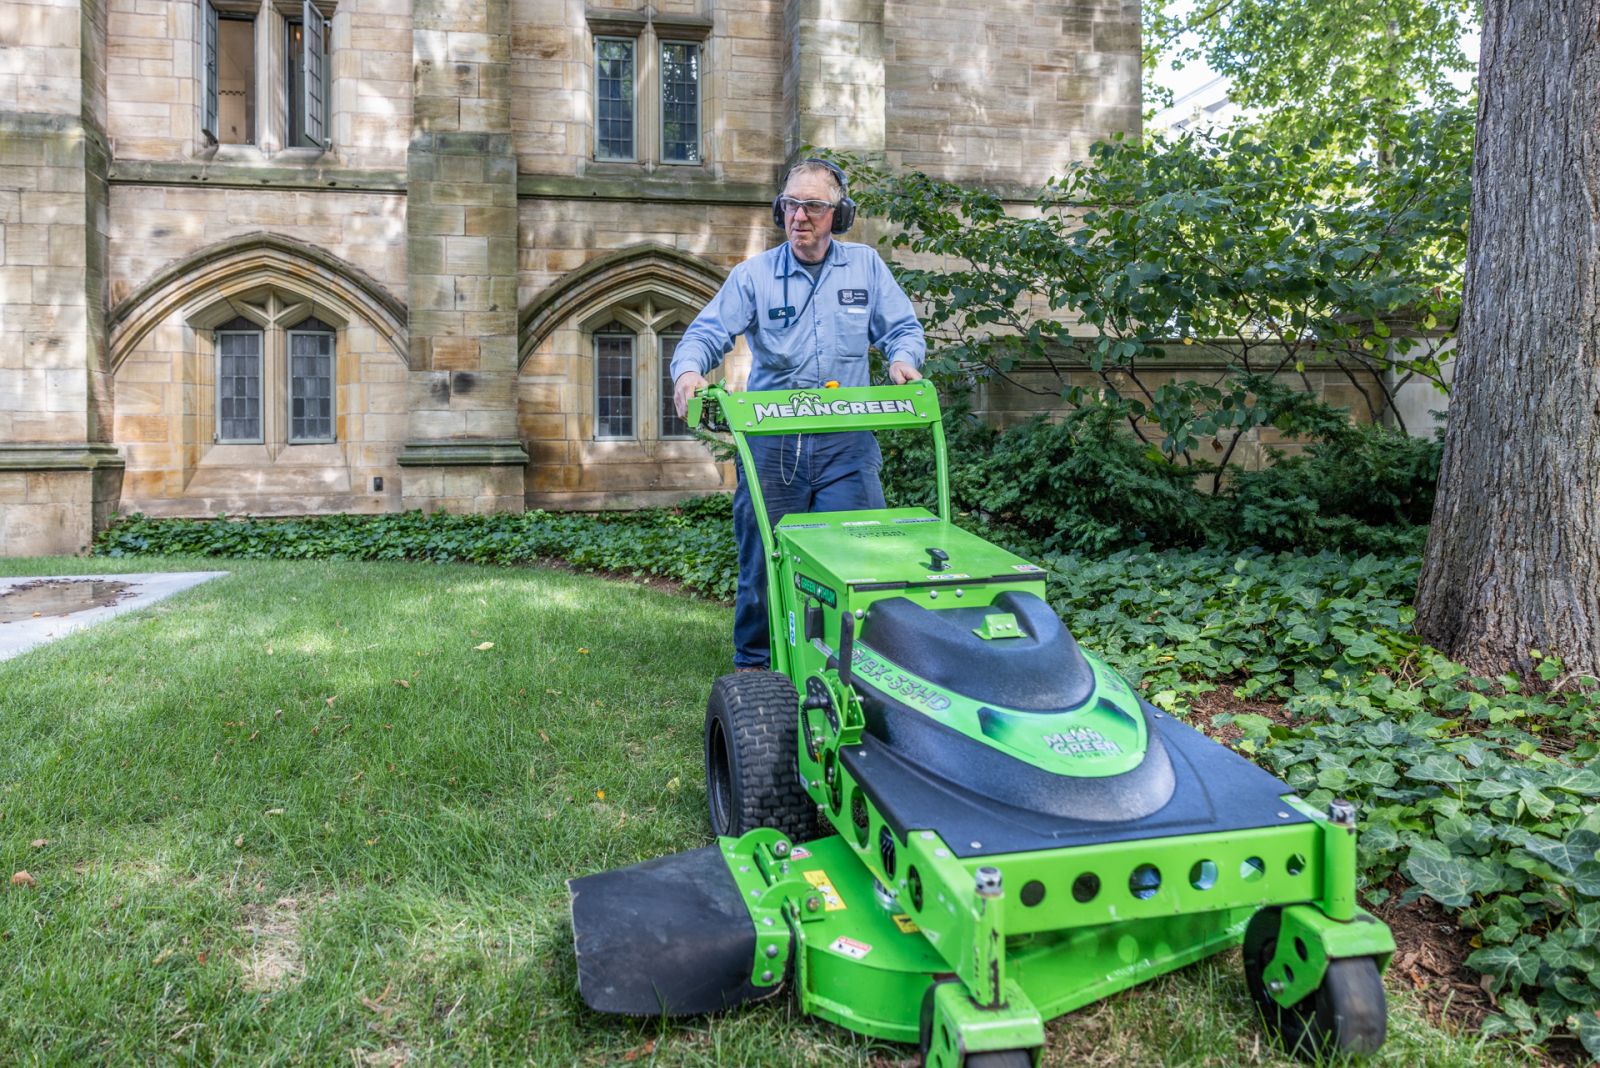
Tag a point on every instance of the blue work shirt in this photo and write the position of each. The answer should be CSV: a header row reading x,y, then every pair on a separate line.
x,y
802,335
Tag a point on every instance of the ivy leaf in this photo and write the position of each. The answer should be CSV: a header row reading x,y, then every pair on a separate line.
x,y
1589,1032
1582,781
1447,878
1508,966
1586,880
1568,855
1437,767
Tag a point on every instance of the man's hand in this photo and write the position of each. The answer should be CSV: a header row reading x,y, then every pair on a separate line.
x,y
901,372
684,388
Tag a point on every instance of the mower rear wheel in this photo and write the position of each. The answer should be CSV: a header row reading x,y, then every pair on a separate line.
x,y
1346,1015
752,744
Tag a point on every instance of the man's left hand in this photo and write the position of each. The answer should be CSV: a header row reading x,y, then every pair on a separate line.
x,y
901,372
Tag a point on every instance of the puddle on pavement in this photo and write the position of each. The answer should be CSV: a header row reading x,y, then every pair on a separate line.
x,y
53,597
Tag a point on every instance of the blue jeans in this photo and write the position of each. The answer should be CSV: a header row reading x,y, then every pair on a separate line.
x,y
828,473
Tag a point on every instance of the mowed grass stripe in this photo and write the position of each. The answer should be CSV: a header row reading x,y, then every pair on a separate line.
x,y
263,848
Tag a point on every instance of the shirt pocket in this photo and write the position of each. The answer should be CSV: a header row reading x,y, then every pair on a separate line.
x,y
850,325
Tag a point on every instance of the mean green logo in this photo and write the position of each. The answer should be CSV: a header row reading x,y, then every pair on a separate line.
x,y
811,587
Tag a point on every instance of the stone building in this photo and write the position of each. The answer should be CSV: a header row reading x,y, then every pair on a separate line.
x,y
298,256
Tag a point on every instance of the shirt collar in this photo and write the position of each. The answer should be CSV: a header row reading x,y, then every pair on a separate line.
x,y
784,257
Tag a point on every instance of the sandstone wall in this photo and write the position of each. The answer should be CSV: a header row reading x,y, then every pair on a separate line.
x,y
1007,91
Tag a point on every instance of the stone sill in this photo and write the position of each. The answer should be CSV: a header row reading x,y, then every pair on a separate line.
x,y
680,185
277,174
44,457
499,453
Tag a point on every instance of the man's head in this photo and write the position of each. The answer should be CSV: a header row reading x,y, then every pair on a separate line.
x,y
809,209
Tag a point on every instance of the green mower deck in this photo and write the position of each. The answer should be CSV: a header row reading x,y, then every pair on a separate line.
x,y
943,822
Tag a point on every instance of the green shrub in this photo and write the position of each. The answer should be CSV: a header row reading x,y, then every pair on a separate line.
x,y
692,543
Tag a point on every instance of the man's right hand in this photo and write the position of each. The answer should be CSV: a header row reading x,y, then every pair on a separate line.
x,y
684,388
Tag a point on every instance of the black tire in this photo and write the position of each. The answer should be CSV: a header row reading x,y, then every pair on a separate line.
x,y
1347,1015
752,740
1003,1058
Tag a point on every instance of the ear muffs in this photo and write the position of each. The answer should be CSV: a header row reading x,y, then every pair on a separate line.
x,y
844,212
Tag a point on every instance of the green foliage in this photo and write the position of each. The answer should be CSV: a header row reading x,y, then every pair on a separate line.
x,y
1085,485
692,543
1479,794
1261,255
1345,67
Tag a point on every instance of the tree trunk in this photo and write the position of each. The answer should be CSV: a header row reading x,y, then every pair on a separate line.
x,y
1513,558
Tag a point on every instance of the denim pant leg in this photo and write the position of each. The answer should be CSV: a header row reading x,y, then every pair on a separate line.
x,y
844,472
775,462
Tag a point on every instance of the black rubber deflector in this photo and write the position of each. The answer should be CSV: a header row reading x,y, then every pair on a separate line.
x,y
669,936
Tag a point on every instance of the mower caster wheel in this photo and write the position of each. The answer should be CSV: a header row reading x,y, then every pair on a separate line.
x,y
1345,1016
752,745
997,1058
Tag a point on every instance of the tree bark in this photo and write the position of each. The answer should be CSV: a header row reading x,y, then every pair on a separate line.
x,y
1513,557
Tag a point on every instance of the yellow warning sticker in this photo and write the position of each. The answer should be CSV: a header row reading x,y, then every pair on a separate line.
x,y
831,900
906,924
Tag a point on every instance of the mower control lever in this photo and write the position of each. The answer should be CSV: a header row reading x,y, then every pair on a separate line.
x,y
937,560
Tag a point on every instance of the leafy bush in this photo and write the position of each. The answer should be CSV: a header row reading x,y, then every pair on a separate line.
x,y
692,543
1362,489
1084,485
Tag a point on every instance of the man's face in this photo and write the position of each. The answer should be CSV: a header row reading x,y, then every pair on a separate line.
x,y
808,236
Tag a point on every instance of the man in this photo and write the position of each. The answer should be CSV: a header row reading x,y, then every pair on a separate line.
x,y
808,309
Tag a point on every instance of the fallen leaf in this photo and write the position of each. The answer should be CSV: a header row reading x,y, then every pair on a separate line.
x,y
484,647
163,955
269,650
332,699
273,812
543,737
672,785
253,736
601,794
200,958
585,652
238,841
22,878
642,1051
388,726
402,683
39,843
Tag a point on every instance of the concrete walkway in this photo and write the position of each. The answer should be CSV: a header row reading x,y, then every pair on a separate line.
x,y
141,591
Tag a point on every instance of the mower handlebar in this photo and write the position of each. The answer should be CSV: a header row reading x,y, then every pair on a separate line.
x,y
818,411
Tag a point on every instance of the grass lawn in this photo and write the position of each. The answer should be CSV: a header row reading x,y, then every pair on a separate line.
x,y
305,814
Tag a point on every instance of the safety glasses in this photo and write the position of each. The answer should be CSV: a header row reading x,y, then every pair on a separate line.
x,y
814,209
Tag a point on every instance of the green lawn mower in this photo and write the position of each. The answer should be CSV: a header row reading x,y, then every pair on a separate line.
x,y
1012,833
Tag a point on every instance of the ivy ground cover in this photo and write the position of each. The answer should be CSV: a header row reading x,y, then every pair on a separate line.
x,y
323,812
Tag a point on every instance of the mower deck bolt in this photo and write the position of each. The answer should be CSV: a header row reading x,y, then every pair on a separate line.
x,y
958,593
766,977
1342,812
860,613
813,903
977,845
988,882
780,849
933,595
772,951
1283,815
1276,986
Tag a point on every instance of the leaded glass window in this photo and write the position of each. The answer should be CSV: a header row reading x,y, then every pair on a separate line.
x,y
614,382
306,75
614,97
310,383
671,425
680,101
239,381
